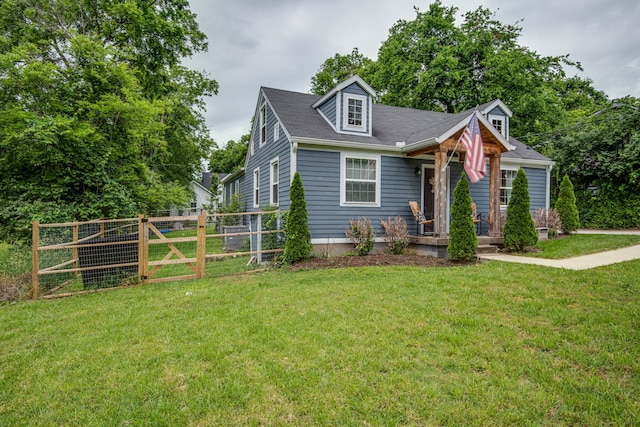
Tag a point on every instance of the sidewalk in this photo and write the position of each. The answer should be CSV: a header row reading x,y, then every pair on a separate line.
x,y
578,263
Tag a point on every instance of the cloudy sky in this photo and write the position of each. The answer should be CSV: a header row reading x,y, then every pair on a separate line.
x,y
282,43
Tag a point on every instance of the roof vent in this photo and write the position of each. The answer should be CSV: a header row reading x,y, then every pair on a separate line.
x,y
400,144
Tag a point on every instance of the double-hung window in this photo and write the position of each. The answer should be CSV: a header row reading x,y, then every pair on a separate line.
x,y
360,180
355,112
506,184
256,188
263,124
275,180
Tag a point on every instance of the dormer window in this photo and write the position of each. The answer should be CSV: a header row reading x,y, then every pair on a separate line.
x,y
354,112
497,123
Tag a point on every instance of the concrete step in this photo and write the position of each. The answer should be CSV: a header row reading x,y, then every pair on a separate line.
x,y
487,249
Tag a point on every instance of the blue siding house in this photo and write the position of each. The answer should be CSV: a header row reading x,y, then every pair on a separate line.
x,y
357,158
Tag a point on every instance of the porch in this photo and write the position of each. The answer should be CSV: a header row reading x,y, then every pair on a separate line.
x,y
437,246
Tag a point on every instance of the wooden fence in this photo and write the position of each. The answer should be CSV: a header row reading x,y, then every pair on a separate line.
x,y
82,256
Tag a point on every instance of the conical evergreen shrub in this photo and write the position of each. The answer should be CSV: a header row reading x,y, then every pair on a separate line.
x,y
566,206
463,241
519,228
298,245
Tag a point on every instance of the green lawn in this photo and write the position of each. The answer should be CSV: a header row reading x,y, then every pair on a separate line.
x,y
487,344
582,244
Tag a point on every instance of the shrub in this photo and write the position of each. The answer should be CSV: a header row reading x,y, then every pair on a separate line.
x,y
519,228
298,244
395,234
463,241
234,206
547,218
361,234
566,206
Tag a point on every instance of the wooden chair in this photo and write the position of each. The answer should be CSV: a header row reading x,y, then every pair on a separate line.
x,y
418,215
477,218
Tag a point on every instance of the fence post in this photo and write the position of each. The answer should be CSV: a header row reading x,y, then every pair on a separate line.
x,y
35,259
201,246
143,252
74,251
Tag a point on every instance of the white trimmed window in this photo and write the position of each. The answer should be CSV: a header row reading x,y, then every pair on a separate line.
x,y
256,188
275,182
360,180
354,112
263,124
276,132
506,185
499,123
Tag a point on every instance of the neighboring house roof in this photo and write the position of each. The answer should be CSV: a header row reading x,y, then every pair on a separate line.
x,y
206,180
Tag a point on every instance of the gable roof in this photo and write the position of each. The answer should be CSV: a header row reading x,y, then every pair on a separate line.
x,y
391,125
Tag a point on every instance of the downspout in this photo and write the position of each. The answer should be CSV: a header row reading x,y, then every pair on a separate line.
x,y
548,185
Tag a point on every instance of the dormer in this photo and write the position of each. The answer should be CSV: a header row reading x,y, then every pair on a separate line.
x,y
498,115
348,107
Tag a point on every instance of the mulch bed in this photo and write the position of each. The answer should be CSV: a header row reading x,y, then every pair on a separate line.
x,y
372,260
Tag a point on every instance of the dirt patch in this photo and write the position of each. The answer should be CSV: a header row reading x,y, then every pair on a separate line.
x,y
372,260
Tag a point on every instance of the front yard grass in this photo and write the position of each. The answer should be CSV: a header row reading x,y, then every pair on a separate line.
x,y
582,244
487,344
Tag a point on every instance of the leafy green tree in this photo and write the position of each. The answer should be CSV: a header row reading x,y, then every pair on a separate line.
x,y
463,241
96,114
298,245
601,156
432,63
519,228
337,69
231,157
566,206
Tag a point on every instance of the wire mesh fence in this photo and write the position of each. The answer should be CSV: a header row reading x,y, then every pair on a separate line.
x,y
85,256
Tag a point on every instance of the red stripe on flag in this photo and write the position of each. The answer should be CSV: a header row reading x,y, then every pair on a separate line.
x,y
471,140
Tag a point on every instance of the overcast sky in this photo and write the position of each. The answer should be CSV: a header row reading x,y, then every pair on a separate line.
x,y
282,43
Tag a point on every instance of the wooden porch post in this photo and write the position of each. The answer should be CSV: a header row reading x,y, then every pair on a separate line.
x,y
440,194
494,195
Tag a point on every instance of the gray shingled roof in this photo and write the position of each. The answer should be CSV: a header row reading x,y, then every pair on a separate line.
x,y
390,124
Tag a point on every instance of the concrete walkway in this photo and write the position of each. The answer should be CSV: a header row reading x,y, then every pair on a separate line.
x,y
582,262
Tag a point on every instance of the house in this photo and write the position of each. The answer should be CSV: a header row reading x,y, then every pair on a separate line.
x,y
203,197
357,158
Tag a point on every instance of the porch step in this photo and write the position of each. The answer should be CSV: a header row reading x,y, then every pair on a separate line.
x,y
487,249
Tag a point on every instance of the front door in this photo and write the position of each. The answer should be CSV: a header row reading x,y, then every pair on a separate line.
x,y
427,196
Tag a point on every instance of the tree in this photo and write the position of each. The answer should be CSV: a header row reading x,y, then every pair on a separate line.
x,y
431,63
298,245
601,156
566,206
97,117
231,157
463,241
519,228
337,69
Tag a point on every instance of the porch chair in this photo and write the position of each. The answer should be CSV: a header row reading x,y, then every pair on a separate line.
x,y
477,217
418,215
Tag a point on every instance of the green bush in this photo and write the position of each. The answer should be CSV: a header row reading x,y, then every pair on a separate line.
x,y
234,206
361,233
463,241
566,206
519,228
298,245
608,210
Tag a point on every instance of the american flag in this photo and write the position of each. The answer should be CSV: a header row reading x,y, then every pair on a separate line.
x,y
474,159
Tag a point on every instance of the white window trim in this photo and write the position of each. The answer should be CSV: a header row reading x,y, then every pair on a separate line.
x,y
345,112
263,124
276,132
343,180
506,168
256,188
271,182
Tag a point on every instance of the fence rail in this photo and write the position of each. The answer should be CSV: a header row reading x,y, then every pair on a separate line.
x,y
84,256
